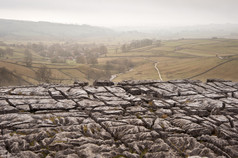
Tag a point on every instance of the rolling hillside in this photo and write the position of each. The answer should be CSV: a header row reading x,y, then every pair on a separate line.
x,y
25,30
175,59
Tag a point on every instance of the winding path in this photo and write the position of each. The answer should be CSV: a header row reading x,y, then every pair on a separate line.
x,y
158,71
156,68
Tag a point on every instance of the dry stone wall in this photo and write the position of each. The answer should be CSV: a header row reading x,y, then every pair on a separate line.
x,y
134,119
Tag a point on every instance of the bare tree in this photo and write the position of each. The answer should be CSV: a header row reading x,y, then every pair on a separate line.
x,y
43,74
28,58
103,50
2,52
81,59
124,48
9,51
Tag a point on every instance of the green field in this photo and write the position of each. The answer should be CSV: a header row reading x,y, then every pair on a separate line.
x,y
177,59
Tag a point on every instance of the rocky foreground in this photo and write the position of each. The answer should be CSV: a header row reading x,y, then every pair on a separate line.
x,y
134,119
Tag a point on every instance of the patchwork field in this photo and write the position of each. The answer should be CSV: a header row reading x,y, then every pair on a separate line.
x,y
176,59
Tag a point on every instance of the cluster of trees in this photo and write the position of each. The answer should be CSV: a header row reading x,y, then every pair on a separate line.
x,y
136,44
28,58
121,65
59,53
139,44
44,74
89,58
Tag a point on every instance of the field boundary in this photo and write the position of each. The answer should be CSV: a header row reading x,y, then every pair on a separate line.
x,y
211,68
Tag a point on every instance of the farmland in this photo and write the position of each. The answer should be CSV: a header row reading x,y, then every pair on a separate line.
x,y
176,59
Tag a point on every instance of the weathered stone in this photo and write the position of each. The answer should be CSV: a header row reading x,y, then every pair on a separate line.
x,y
138,82
95,89
182,118
77,92
61,105
118,103
160,104
27,154
134,91
87,103
6,108
56,94
80,83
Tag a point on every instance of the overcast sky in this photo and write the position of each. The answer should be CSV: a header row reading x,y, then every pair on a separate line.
x,y
123,12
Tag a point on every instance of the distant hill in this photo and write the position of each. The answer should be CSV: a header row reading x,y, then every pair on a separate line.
x,y
28,30
20,30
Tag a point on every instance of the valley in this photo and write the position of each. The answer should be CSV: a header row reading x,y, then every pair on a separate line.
x,y
197,59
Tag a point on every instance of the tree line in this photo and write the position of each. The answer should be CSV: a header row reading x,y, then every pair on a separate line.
x,y
139,44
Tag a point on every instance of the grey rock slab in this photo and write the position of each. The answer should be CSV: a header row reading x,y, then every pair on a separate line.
x,y
118,103
107,108
161,124
113,89
163,112
223,87
232,150
184,81
95,89
128,97
56,94
5,108
219,118
80,83
160,104
171,102
159,92
184,99
167,86
60,105
32,91
134,91
235,95
209,87
108,98
90,103
27,154
230,100
186,93
143,89
165,120
135,109
26,97
193,87
215,95
32,101
77,92
138,82
3,103
5,91
63,89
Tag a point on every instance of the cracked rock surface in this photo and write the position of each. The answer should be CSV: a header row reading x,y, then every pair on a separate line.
x,y
134,119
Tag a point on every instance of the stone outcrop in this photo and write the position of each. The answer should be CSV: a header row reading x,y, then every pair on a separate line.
x,y
134,119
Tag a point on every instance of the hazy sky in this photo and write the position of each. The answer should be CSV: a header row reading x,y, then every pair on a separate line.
x,y
123,12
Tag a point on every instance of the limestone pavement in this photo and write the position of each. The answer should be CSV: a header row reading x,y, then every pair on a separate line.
x,y
134,119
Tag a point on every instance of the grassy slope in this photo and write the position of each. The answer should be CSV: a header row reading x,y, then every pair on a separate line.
x,y
177,59
174,64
